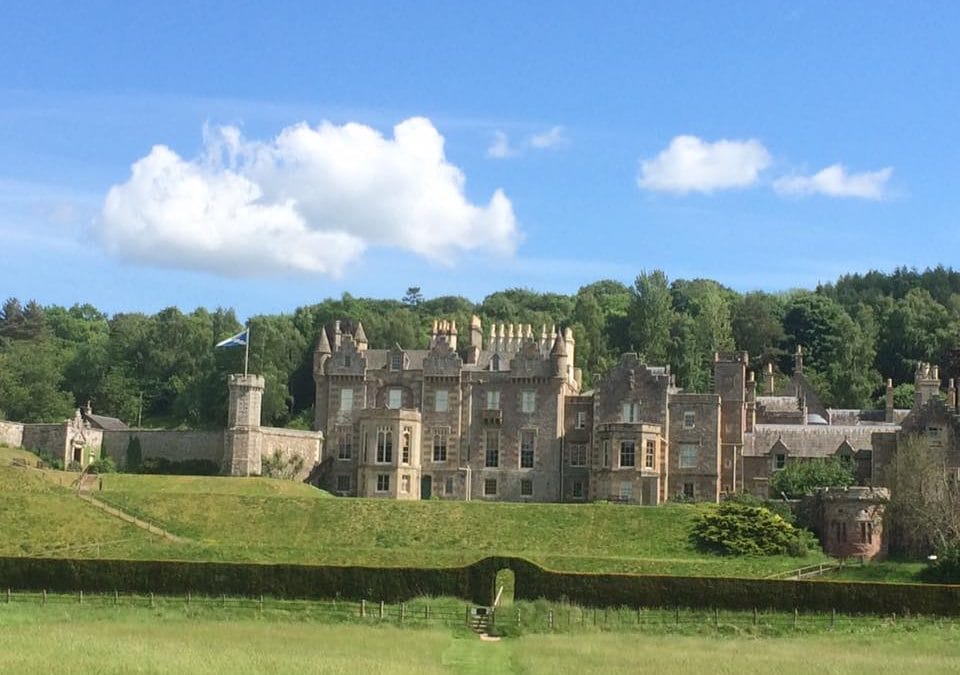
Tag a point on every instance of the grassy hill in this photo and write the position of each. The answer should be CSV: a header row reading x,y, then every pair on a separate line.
x,y
254,519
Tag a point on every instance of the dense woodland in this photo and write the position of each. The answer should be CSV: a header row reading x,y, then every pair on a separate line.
x,y
163,368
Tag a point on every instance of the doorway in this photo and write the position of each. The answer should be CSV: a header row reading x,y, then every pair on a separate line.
x,y
426,487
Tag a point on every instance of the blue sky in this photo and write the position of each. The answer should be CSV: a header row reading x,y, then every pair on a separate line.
x,y
291,153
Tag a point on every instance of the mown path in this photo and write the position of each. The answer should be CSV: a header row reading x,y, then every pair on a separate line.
x,y
87,483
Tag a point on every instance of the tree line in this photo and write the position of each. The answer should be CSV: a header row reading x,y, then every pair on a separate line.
x,y
162,369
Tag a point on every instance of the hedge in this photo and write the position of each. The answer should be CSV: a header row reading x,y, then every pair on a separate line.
x,y
474,582
244,579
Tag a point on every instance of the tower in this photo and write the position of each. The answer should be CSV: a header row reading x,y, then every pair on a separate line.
x,y
730,382
243,439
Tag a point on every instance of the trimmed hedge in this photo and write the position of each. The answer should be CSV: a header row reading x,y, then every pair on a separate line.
x,y
474,582
244,579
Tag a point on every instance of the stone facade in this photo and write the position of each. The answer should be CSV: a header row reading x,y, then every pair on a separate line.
x,y
175,446
852,522
504,419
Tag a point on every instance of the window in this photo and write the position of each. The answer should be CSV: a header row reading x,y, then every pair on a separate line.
x,y
346,400
628,453
526,488
405,446
581,422
440,446
630,412
441,400
448,486
344,443
394,399
347,362
528,441
866,533
528,401
491,445
490,486
383,482
495,362
689,419
396,361
578,489
650,457
779,460
688,490
493,400
343,483
689,456
384,446
405,484
606,453
626,491
578,455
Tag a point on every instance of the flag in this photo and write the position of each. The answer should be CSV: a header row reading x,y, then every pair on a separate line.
x,y
238,340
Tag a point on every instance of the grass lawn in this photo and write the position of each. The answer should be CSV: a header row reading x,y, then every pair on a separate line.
x,y
265,520
891,571
127,639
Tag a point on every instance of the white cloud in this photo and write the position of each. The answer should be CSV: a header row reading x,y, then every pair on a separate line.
x,y
500,147
549,139
690,164
311,200
834,181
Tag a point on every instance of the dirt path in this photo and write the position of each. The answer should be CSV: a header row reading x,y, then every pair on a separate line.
x,y
133,520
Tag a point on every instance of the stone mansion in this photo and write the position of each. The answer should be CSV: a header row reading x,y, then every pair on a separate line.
x,y
503,417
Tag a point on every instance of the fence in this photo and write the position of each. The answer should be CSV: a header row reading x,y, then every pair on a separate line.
x,y
519,618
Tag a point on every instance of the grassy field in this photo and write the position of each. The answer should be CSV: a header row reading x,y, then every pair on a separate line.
x,y
161,640
263,520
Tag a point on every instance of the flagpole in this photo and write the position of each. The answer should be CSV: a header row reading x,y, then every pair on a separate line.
x,y
246,352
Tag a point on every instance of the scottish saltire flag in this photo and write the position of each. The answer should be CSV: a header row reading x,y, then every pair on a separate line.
x,y
238,340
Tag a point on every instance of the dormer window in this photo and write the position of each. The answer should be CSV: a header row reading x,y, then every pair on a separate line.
x,y
779,461
396,361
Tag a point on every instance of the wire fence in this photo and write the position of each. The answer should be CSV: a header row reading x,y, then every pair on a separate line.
x,y
517,618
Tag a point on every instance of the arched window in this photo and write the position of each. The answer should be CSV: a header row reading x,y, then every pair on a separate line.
x,y
495,362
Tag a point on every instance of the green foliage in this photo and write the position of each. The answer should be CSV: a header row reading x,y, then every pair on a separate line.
x,y
946,568
802,477
279,465
651,316
737,528
187,467
103,465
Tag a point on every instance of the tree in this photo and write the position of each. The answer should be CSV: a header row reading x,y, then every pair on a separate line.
x,y
756,321
651,316
924,509
802,477
30,379
413,296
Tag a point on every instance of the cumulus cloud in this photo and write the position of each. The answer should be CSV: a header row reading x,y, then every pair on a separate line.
x,y
500,146
548,139
311,200
690,164
834,181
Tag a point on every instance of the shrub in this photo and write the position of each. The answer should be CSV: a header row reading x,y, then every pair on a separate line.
x,y
801,478
103,465
188,467
134,455
283,466
744,529
946,568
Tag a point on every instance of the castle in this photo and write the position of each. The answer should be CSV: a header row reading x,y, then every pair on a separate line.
x,y
504,418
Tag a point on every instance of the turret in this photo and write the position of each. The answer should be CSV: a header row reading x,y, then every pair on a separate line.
x,y
571,345
751,394
322,353
558,356
337,335
476,332
360,338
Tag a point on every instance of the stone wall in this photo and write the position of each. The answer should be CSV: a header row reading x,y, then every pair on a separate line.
x,y
293,443
11,433
47,438
175,446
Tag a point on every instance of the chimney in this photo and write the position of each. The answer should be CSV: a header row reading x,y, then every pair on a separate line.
x,y
452,336
751,401
771,385
952,395
798,360
476,332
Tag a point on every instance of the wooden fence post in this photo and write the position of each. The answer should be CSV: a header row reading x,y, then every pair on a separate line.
x,y
402,611
754,616
381,609
151,598
188,598
44,600
716,618
796,616
116,597
550,619
363,608
466,616
260,608
833,617
8,596
676,614
518,616
81,597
